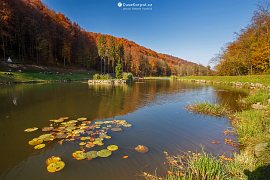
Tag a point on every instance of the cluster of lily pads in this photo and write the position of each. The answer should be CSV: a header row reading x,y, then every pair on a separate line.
x,y
87,134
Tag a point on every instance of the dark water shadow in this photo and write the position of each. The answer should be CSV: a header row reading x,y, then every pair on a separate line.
x,y
261,173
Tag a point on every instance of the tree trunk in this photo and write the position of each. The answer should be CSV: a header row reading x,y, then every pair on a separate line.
x,y
113,68
101,66
104,66
3,47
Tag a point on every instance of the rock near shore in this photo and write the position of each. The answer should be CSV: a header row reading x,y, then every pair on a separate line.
x,y
108,82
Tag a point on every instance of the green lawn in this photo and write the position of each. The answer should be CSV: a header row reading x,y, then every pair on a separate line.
x,y
39,77
263,79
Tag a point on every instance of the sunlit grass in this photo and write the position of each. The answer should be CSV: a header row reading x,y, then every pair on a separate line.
x,y
208,109
199,166
252,126
263,79
36,76
258,96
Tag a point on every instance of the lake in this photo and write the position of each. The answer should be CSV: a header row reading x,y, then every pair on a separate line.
x,y
155,108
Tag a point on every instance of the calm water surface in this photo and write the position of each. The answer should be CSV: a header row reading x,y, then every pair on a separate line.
x,y
155,108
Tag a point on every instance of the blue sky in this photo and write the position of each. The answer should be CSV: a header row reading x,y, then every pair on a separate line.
x,y
191,29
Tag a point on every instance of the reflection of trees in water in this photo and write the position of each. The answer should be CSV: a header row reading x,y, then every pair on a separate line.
x,y
119,100
98,101
229,96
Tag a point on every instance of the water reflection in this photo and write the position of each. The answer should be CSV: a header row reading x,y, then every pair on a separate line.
x,y
155,108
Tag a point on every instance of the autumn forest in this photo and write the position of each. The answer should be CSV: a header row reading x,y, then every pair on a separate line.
x,y
32,33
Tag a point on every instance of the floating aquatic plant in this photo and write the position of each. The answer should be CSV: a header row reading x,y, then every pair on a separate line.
x,y
55,167
31,129
52,159
104,153
40,146
141,149
79,155
116,129
35,141
91,154
87,134
112,147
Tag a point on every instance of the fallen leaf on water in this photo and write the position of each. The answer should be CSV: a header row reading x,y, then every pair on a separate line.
x,y
31,129
47,137
215,142
40,146
226,132
116,129
82,119
141,149
45,129
82,143
35,141
90,145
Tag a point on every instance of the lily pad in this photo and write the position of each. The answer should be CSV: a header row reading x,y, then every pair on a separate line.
x,y
35,141
79,155
127,125
61,136
82,119
40,146
91,154
52,159
112,147
57,120
142,149
82,143
116,129
99,122
99,143
104,153
85,138
31,129
90,145
72,122
46,137
56,166
45,129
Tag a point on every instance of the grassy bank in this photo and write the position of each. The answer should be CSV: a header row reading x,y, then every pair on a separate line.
x,y
252,126
27,77
262,79
208,108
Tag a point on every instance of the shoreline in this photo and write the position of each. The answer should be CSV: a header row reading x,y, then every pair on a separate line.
x,y
251,126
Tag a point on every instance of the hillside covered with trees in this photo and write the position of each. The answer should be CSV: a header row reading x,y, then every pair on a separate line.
x,y
32,33
250,52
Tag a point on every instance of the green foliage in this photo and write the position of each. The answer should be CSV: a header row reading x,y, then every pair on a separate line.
x,y
128,76
263,79
41,76
118,71
190,166
252,126
257,96
208,108
102,76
